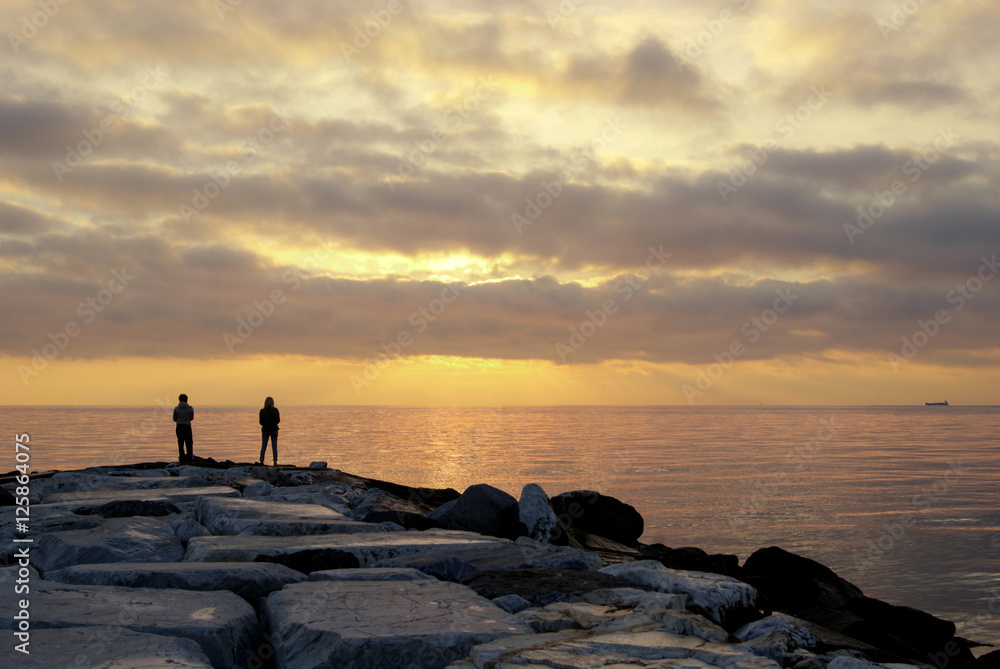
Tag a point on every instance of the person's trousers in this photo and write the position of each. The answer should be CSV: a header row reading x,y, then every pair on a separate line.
x,y
274,445
185,438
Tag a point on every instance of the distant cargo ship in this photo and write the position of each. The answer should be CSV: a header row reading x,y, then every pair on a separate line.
x,y
936,404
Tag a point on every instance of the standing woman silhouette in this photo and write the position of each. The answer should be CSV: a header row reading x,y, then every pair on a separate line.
x,y
269,419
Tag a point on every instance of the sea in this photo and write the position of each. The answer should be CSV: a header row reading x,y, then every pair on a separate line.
x,y
904,502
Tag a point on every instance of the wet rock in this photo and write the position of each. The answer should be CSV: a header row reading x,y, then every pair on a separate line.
x,y
482,509
599,514
317,465
127,508
118,540
536,514
369,625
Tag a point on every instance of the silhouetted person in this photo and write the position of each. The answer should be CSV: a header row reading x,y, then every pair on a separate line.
x,y
269,419
183,415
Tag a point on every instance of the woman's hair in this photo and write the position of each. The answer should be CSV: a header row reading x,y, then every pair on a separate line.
x,y
269,402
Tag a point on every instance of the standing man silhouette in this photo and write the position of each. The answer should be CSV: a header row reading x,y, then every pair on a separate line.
x,y
269,419
183,415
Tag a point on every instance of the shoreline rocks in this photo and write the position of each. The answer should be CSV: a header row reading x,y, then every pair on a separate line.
x,y
238,565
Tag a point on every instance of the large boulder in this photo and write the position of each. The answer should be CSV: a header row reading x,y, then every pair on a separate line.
x,y
136,539
725,600
793,583
372,625
222,624
536,514
599,514
482,509
249,580
807,589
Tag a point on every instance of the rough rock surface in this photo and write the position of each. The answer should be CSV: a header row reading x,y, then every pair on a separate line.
x,y
118,540
536,514
511,603
249,580
483,509
364,625
586,636
186,528
542,586
258,489
725,600
378,506
598,514
453,563
82,648
369,548
223,624
277,517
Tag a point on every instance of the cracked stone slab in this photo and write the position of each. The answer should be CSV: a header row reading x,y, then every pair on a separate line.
x,y
249,580
82,648
369,547
369,625
222,624
117,540
276,518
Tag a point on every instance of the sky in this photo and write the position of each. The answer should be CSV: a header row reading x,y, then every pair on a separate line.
x,y
485,203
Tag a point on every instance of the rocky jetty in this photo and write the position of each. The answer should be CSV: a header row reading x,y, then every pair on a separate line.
x,y
231,565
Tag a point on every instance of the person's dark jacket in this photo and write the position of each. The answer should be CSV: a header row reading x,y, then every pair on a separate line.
x,y
269,419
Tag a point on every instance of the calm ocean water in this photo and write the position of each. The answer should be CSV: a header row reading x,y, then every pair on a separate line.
x,y
902,501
